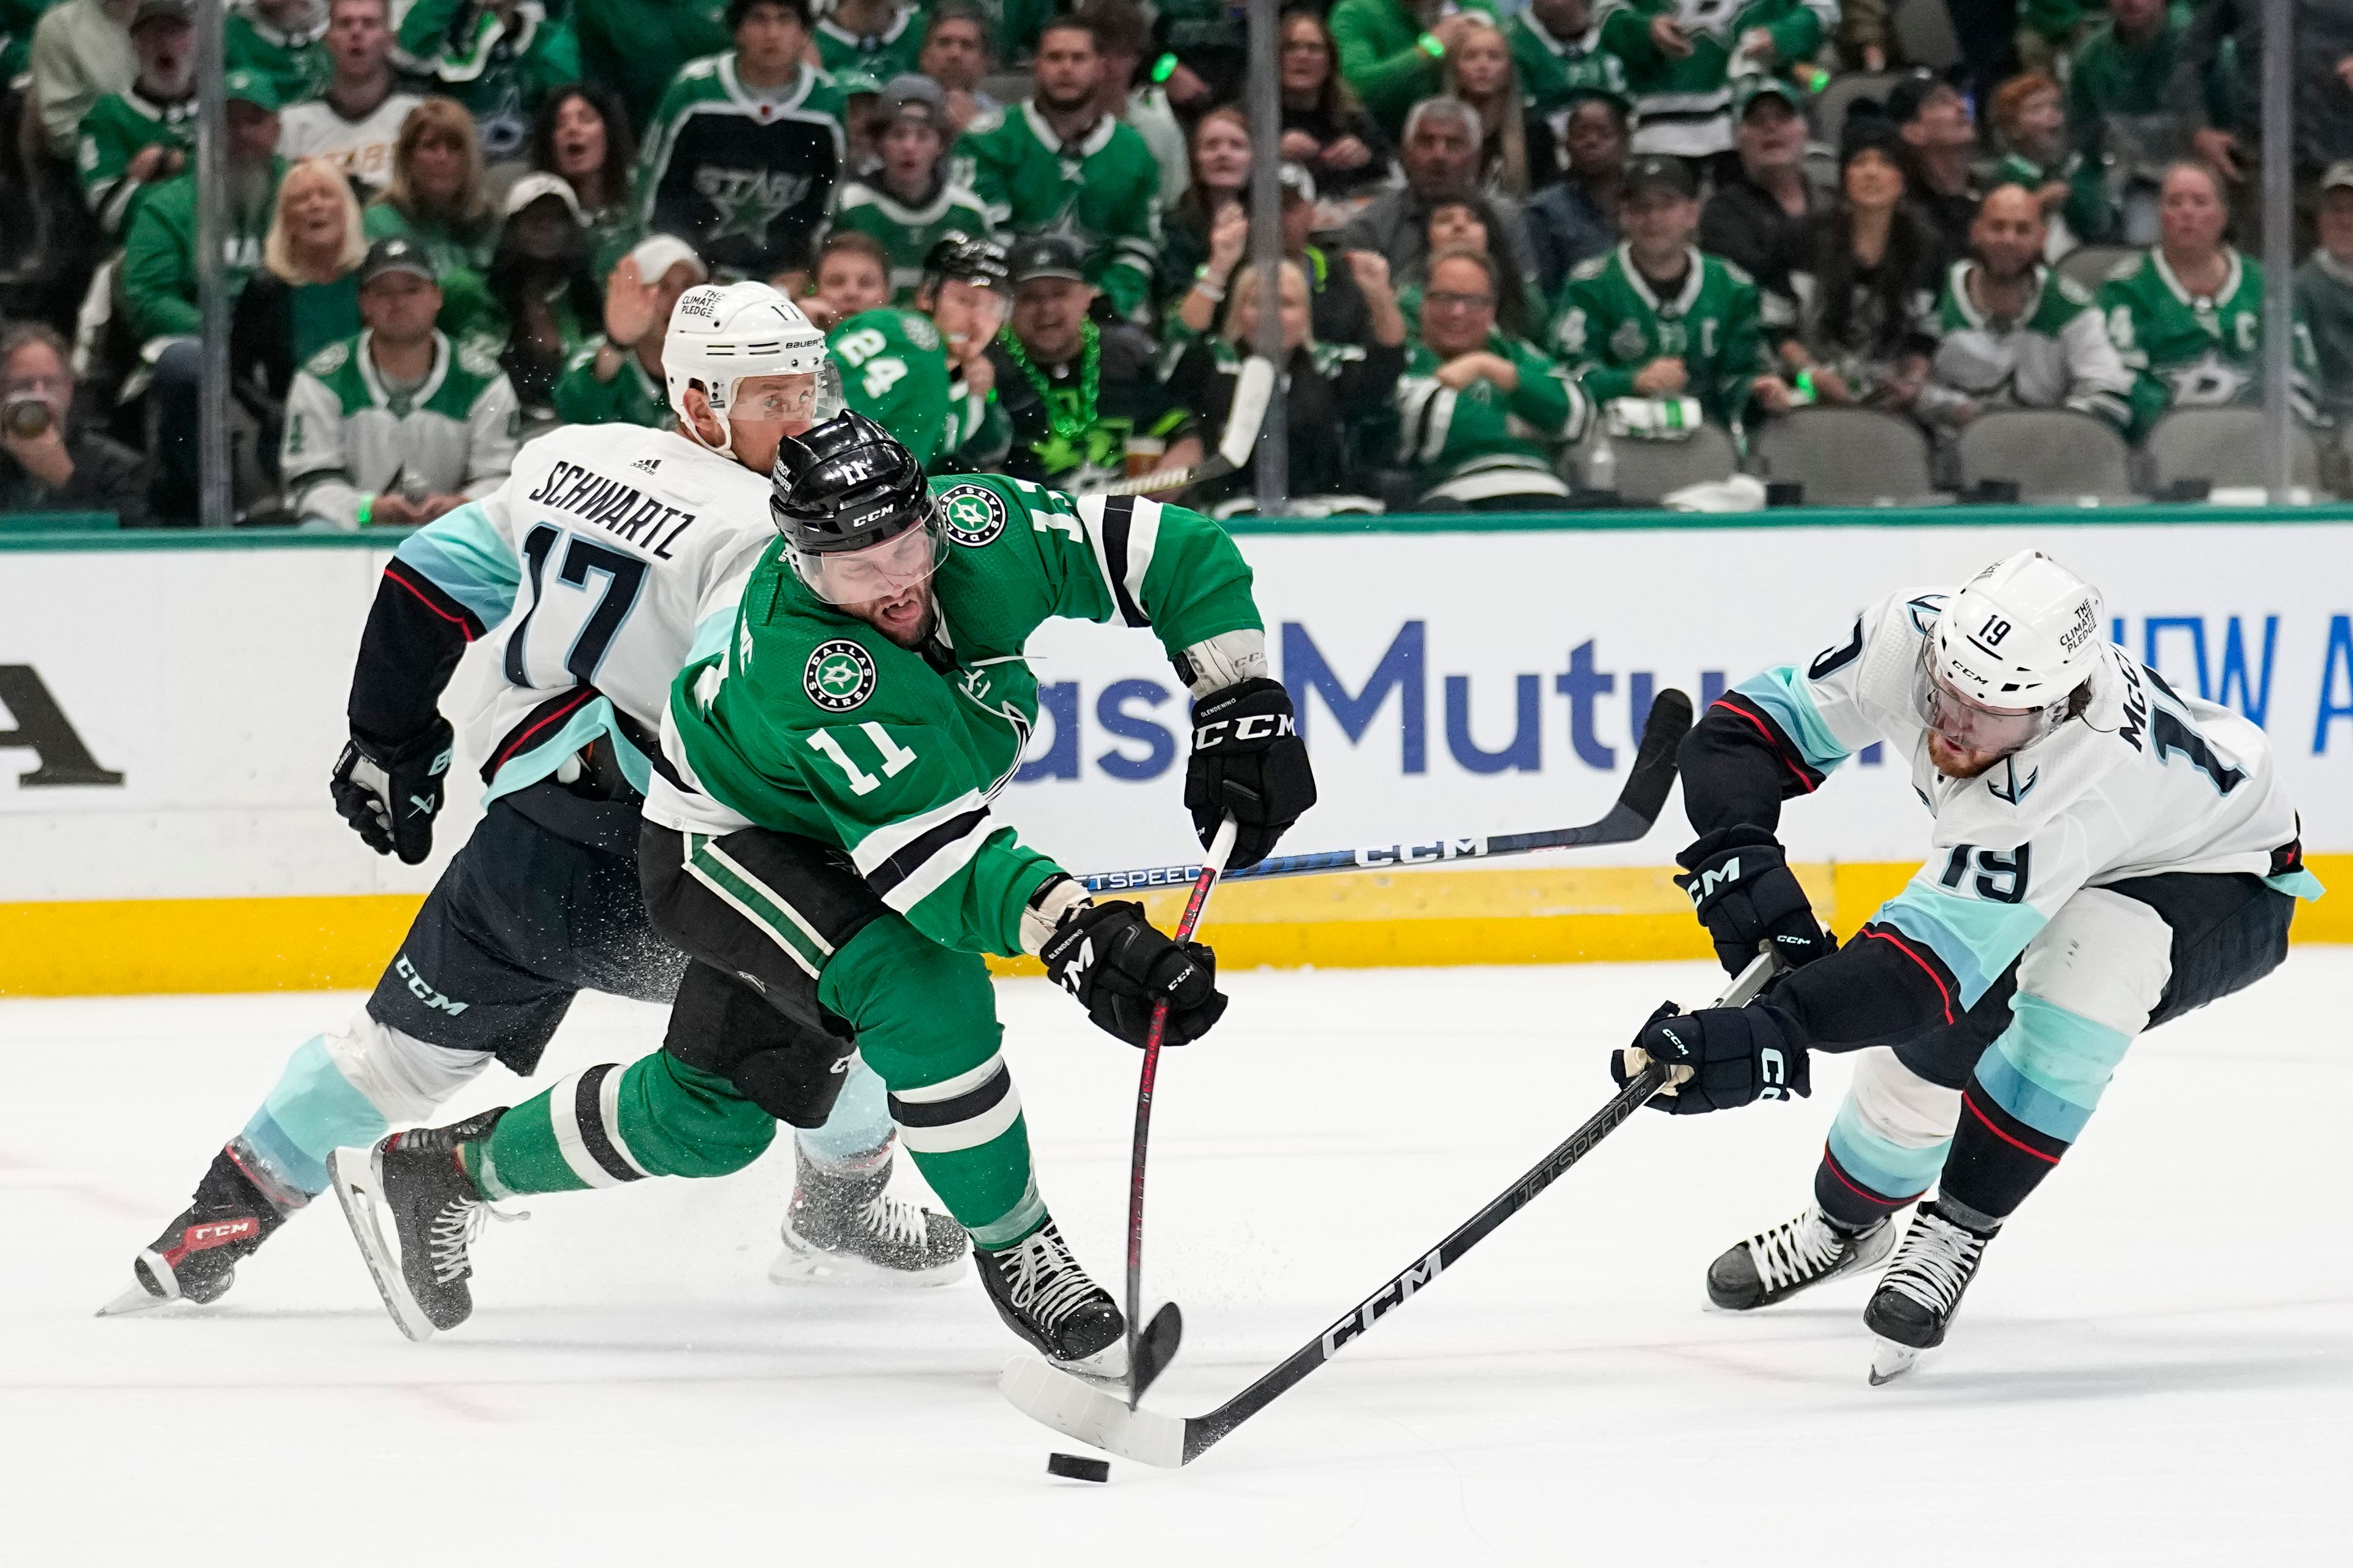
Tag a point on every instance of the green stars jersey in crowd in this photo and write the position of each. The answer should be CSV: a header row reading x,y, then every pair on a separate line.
x,y
891,52
808,721
895,371
1555,73
117,128
1444,435
295,63
1104,190
1611,325
2186,352
1684,103
744,177
907,234
631,397
348,437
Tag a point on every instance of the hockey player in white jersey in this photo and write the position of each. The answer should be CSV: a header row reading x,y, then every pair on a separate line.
x,y
596,565
2108,855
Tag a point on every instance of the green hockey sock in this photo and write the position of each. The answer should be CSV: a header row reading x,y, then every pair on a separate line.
x,y
658,1117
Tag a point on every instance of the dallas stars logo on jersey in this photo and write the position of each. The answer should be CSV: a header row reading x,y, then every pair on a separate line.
x,y
974,514
841,676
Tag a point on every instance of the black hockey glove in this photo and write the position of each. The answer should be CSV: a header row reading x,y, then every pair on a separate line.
x,y
1250,762
1736,1055
1743,891
1110,958
391,796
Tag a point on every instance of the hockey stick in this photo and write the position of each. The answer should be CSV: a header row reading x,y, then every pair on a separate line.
x,y
1080,1409
1636,807
1150,1349
1253,388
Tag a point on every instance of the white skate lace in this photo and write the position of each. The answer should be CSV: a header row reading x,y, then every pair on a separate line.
x,y
453,1230
1934,1262
1796,1250
1044,1280
894,1220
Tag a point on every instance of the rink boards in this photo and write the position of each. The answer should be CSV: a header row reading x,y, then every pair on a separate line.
x,y
170,707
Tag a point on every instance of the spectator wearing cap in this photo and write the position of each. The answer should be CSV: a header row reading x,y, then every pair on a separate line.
x,y
2031,122
1124,38
1209,228
357,119
501,58
50,459
741,158
1658,318
1441,161
1482,417
439,198
1058,162
1390,52
1556,45
1765,201
635,48
907,203
543,284
1576,217
582,136
130,140
956,53
862,94
158,273
396,425
1940,134
2324,294
881,38
81,52
1084,404
1681,61
1324,130
1856,314
282,39
2014,334
616,378
306,293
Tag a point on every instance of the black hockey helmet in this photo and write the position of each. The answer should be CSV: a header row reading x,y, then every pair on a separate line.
x,y
854,510
979,262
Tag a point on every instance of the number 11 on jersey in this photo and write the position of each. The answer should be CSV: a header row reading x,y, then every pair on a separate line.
x,y
896,757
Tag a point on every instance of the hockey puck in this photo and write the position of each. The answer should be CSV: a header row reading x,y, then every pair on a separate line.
x,y
1077,1468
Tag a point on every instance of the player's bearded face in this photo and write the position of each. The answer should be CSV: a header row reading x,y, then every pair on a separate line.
x,y
887,585
1965,737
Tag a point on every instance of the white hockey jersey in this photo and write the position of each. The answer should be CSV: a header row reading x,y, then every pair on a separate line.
x,y
611,554
2145,780
348,436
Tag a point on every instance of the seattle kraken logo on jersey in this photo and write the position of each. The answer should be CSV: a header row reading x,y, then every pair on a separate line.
x,y
841,675
974,514
2004,785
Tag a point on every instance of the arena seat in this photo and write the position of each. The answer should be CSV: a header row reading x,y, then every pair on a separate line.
x,y
1831,108
2223,447
1650,469
1847,457
2050,453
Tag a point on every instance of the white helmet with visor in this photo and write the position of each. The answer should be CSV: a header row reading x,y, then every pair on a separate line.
x,y
2001,667
721,335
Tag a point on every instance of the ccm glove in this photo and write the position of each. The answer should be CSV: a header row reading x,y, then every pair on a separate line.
x,y
390,796
1735,1055
1248,763
1743,892
1110,958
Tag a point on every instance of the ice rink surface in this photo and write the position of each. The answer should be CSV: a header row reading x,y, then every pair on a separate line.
x,y
2155,1367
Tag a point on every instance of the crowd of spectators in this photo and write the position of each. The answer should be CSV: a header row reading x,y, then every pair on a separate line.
x,y
1513,242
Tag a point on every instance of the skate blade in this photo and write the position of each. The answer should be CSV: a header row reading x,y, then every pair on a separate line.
x,y
355,1178
138,1299
1890,1361
830,1271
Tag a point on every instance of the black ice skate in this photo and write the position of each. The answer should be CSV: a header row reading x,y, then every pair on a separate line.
x,y
843,1229
1775,1264
197,1256
1044,1297
1922,1289
413,1178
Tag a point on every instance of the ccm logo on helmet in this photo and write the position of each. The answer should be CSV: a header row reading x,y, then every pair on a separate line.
x,y
1248,727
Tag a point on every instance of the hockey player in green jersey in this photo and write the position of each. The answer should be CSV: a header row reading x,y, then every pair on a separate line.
x,y
1657,318
1057,161
2186,316
896,367
822,846
1482,417
134,138
1682,55
742,157
907,202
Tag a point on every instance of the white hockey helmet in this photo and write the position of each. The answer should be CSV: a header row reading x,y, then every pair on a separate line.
x,y
2009,652
722,335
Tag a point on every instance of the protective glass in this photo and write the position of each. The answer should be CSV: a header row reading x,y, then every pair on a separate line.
x,y
883,571
1969,725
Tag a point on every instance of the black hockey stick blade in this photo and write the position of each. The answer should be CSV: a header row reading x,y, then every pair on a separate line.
x,y
1654,774
1154,1349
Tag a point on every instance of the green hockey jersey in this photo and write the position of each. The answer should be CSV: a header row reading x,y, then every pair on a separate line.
x,y
158,254
636,47
112,133
498,70
1683,106
907,234
2086,217
1104,189
631,397
2188,352
1555,72
745,177
349,438
296,63
1376,44
2054,354
806,719
891,52
1610,324
895,371
1444,436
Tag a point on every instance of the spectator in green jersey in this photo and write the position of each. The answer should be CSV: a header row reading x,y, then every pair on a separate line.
x,y
616,378
2324,294
281,39
2116,108
1557,44
1324,130
130,140
1482,417
2033,123
883,38
1390,51
583,137
907,203
501,58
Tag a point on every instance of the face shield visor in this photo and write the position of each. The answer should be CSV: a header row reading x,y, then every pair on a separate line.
x,y
1969,725
897,565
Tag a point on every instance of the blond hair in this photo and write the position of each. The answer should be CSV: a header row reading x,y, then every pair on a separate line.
x,y
1244,288
1506,117
445,119
277,252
